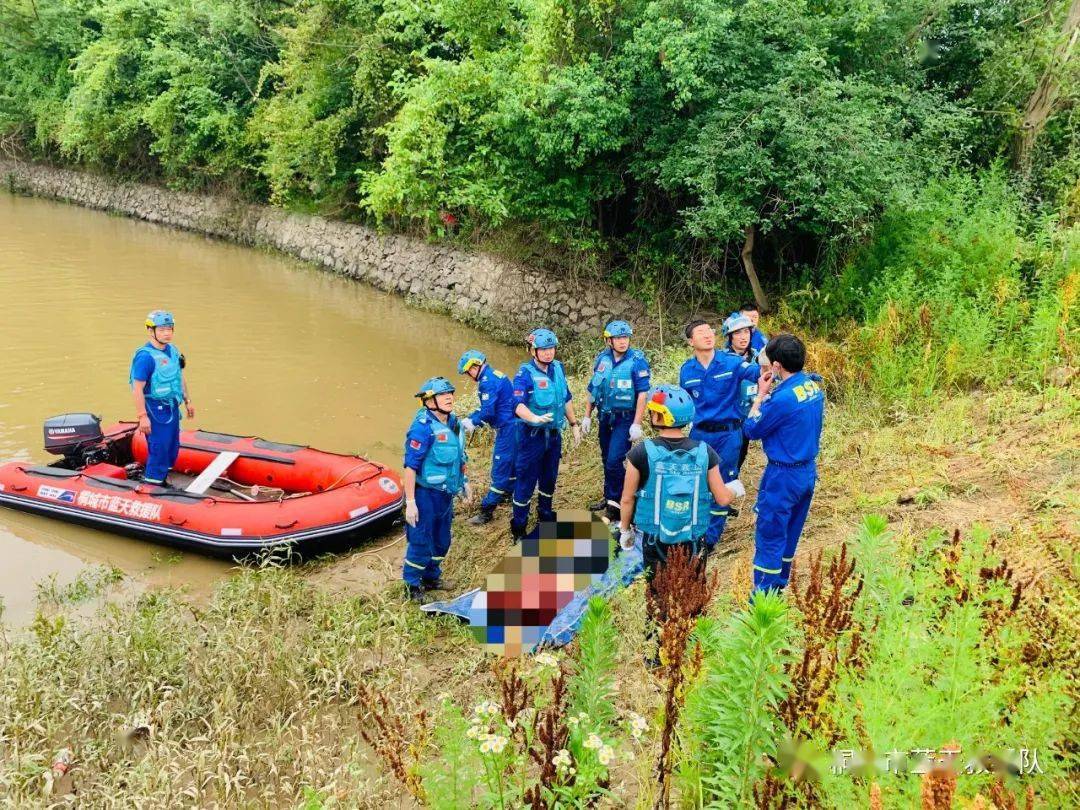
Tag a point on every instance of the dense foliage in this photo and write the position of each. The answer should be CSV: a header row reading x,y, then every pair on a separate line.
x,y
912,164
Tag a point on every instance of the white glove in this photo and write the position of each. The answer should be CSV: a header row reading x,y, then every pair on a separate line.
x,y
467,425
636,432
543,419
736,487
412,513
467,492
627,538
586,425
577,435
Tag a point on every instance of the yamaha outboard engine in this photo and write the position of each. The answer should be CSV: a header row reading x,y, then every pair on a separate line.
x,y
77,437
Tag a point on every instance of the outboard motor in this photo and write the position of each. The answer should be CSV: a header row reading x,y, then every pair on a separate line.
x,y
77,437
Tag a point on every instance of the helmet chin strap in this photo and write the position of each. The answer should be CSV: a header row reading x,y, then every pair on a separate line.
x,y
437,409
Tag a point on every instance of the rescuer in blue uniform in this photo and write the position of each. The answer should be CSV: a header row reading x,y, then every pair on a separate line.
x,y
159,389
738,333
620,381
435,474
788,421
714,381
496,410
671,485
542,401
758,339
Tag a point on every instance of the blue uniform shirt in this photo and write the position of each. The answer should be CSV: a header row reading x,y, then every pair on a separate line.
x,y
790,422
496,399
716,389
758,339
142,364
419,438
523,385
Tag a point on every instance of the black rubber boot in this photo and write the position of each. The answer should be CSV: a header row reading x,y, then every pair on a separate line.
x,y
439,584
416,594
482,518
516,532
613,513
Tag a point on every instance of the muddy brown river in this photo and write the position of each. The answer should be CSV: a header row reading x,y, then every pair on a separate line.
x,y
275,349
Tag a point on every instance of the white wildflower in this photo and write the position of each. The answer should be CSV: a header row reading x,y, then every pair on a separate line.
x,y
562,759
606,755
572,721
486,708
474,732
638,725
594,742
546,659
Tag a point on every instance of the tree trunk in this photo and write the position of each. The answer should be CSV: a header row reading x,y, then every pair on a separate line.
x,y
1040,105
751,272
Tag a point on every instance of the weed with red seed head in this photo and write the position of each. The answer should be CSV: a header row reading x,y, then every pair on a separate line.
x,y
552,735
825,599
390,737
679,592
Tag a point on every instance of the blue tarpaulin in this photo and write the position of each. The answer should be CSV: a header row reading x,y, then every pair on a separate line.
x,y
622,571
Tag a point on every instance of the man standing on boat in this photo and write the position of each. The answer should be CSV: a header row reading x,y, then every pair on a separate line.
x,y
435,474
159,389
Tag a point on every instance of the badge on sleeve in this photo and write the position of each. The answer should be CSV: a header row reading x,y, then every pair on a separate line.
x,y
415,444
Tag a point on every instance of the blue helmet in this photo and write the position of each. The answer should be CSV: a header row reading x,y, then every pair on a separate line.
x,y
672,404
469,359
736,321
159,317
543,339
618,329
434,386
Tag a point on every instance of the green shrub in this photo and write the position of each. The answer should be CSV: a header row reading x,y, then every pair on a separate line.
x,y
730,723
954,291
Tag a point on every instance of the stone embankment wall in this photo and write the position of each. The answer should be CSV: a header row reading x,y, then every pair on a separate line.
x,y
497,292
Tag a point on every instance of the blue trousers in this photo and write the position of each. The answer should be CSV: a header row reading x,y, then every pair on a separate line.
x,y
614,435
539,451
503,456
783,502
728,445
163,443
429,540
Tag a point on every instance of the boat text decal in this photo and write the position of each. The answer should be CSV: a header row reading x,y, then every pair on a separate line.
x,y
120,506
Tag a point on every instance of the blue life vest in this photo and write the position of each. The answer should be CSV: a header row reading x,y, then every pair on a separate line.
x,y
166,382
612,384
548,393
441,469
675,503
747,388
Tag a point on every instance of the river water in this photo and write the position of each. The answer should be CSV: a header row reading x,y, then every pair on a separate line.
x,y
275,349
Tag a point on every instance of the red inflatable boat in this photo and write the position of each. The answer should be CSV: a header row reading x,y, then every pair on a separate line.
x,y
227,495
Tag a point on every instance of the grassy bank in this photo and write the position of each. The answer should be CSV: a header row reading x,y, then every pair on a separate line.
x,y
261,697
